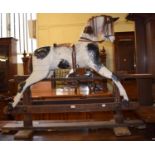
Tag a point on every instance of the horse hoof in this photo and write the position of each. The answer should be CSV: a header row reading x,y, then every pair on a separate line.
x,y
9,99
8,109
125,102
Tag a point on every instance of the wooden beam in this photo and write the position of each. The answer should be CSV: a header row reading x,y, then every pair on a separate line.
x,y
86,107
63,124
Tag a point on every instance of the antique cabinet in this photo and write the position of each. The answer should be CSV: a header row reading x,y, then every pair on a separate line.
x,y
8,62
124,52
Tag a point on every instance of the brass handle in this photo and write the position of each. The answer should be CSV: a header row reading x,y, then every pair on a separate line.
x,y
103,105
73,106
124,60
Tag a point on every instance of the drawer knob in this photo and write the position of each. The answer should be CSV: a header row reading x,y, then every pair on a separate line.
x,y
73,106
124,60
103,105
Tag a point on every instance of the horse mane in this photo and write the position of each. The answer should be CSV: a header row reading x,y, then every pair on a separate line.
x,y
105,16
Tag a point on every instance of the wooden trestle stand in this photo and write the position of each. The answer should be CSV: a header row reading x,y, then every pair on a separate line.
x,y
29,106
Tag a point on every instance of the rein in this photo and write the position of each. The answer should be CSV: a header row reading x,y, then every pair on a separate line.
x,y
89,40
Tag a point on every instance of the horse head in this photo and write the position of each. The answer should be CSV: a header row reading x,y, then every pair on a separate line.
x,y
101,27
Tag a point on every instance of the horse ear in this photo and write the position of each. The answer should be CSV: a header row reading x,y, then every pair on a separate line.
x,y
115,19
88,30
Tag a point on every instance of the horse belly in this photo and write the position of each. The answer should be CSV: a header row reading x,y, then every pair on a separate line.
x,y
41,64
62,57
82,59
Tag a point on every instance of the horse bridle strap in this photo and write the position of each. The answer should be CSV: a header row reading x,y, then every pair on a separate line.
x,y
74,58
89,40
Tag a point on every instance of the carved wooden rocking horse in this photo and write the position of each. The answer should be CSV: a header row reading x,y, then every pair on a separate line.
x,y
47,59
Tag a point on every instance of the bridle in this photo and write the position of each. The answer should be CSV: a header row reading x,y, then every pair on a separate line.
x,y
85,39
107,20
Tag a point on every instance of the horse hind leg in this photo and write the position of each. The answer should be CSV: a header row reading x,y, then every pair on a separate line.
x,y
103,71
35,77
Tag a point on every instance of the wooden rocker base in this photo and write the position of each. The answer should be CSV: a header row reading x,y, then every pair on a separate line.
x,y
31,106
120,129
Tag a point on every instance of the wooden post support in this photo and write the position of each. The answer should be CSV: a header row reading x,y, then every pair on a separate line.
x,y
27,133
119,118
118,115
27,101
27,67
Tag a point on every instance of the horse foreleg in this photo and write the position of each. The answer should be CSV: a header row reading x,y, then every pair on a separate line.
x,y
103,71
36,76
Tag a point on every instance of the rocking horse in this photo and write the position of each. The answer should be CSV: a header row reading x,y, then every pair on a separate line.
x,y
47,59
